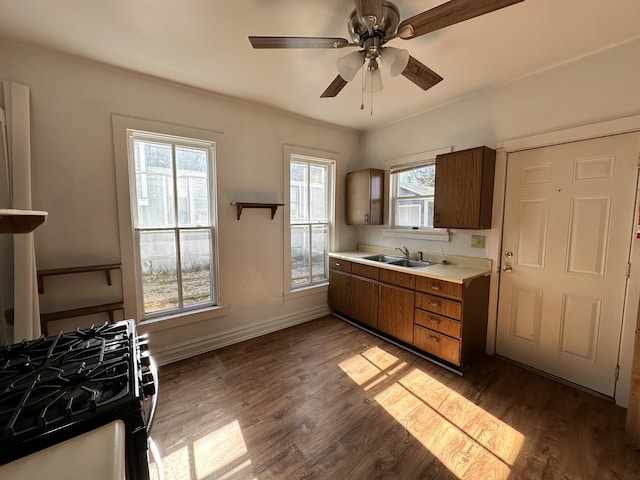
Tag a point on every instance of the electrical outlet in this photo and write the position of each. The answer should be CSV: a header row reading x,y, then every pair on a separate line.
x,y
477,241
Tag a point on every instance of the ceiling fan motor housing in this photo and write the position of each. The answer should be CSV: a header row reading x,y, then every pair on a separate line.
x,y
384,27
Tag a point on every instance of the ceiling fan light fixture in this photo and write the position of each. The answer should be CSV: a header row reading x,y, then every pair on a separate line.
x,y
395,60
349,65
372,78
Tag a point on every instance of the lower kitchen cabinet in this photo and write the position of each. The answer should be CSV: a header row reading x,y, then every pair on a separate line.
x,y
446,320
441,346
340,286
364,300
395,314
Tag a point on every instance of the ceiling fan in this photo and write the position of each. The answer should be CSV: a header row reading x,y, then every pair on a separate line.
x,y
371,25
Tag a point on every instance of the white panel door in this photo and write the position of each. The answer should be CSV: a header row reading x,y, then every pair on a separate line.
x,y
569,217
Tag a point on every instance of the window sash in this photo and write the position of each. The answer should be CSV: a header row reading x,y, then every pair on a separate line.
x,y
177,180
301,214
396,199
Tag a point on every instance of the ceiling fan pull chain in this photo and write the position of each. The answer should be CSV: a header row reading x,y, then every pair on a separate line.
x,y
372,103
362,92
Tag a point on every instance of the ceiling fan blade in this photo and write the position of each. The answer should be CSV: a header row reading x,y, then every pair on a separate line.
x,y
298,42
449,13
335,87
369,8
420,74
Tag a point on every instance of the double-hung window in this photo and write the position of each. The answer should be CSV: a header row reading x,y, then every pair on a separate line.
x,y
412,191
173,215
311,212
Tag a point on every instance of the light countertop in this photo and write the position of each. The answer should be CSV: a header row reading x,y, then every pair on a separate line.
x,y
458,271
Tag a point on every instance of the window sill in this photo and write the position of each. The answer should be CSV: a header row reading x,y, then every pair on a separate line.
x,y
436,234
184,318
306,291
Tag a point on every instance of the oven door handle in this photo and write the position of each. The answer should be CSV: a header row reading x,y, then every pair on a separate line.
x,y
154,398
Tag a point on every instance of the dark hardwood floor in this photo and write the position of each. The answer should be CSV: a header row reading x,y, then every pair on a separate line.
x,y
325,400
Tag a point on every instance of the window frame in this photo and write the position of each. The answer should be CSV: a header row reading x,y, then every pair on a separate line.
x,y
131,273
398,165
310,156
174,142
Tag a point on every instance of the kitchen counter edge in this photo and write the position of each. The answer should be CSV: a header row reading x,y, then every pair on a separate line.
x,y
450,273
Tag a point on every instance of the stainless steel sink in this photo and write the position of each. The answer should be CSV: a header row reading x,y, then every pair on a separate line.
x,y
402,262
382,258
406,262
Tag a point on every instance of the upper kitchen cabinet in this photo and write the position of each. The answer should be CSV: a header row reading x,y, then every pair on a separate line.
x,y
365,197
464,189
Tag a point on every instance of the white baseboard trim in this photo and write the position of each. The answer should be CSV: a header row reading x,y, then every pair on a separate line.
x,y
174,353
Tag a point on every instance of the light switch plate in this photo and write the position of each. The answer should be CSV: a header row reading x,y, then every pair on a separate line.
x,y
477,241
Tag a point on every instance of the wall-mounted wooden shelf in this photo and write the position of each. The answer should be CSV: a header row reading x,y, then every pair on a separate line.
x,y
272,206
69,270
108,308
20,221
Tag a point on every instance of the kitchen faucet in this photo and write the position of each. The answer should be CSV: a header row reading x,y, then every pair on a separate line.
x,y
404,250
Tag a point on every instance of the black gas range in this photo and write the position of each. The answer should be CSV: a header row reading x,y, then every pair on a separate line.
x,y
55,388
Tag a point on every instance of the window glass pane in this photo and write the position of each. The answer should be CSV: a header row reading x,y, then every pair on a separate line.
x,y
196,261
299,192
319,193
154,184
192,172
300,268
417,182
416,212
319,242
159,271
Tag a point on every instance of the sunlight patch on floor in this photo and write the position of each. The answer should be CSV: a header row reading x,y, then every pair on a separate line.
x,y
369,367
469,441
221,453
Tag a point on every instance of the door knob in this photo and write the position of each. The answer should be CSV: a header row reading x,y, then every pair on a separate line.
x,y
507,268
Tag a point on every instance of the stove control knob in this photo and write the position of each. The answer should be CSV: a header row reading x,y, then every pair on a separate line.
x,y
145,360
143,343
148,384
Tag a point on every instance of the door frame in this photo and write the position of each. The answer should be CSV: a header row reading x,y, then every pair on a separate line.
x,y
584,132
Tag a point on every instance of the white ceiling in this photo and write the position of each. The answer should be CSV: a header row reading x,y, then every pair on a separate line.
x,y
203,43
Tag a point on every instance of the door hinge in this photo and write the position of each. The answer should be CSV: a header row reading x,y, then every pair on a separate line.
x,y
628,271
617,372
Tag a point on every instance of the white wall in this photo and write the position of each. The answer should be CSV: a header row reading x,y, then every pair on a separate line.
x,y
74,180
599,87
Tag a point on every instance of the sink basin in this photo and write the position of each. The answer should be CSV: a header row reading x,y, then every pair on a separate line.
x,y
406,262
382,258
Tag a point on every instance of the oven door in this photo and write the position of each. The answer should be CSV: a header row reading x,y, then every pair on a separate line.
x,y
98,455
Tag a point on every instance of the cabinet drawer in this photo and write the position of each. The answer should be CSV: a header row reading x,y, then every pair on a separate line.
x,y
339,264
365,271
439,287
438,323
439,305
397,278
437,344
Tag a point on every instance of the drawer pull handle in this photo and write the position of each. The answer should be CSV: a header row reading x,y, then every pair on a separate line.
x,y
436,287
434,320
338,264
435,304
435,339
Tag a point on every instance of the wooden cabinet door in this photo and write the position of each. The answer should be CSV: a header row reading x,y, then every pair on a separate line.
x,y
365,197
340,291
463,195
395,313
364,300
